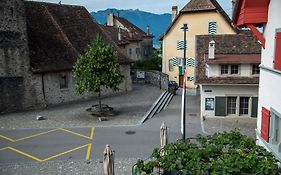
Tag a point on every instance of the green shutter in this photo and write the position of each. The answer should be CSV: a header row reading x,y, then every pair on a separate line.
x,y
254,107
220,106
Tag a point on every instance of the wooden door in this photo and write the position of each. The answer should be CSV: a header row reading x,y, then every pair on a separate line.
x,y
181,81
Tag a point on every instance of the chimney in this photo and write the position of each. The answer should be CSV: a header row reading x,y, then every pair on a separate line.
x,y
174,12
130,34
212,49
119,34
147,30
110,21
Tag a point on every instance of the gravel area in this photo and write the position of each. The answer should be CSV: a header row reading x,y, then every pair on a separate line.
x,y
246,125
130,108
78,167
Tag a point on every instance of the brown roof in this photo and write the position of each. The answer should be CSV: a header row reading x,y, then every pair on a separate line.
x,y
113,33
235,47
57,34
200,6
137,33
235,58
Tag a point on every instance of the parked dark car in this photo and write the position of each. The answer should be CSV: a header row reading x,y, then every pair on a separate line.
x,y
173,84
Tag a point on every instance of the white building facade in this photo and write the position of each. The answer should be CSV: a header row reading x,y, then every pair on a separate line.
x,y
268,130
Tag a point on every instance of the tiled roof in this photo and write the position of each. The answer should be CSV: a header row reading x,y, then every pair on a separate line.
x,y
57,34
234,58
242,45
113,33
199,6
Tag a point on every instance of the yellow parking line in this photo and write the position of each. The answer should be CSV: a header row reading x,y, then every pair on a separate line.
x,y
2,149
25,154
92,133
7,138
88,151
35,135
60,154
75,133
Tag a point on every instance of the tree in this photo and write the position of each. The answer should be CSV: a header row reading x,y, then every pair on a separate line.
x,y
97,68
154,63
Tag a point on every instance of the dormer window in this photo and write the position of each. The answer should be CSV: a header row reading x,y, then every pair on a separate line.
x,y
255,69
224,69
227,69
234,69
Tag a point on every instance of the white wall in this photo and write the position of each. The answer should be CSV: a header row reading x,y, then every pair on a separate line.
x,y
244,70
270,83
225,90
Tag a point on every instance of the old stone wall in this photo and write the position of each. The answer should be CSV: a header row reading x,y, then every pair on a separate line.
x,y
14,55
155,78
55,92
12,93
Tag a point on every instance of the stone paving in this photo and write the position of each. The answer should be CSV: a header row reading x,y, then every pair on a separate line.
x,y
130,108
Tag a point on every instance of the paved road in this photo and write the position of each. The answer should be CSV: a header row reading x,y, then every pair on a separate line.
x,y
42,145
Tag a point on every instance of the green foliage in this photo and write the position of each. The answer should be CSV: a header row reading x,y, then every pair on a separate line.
x,y
224,153
154,63
97,68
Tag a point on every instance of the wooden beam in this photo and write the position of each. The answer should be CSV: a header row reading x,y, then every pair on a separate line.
x,y
257,34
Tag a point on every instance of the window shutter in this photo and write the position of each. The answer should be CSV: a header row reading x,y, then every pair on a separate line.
x,y
181,45
265,120
220,106
277,60
254,107
212,27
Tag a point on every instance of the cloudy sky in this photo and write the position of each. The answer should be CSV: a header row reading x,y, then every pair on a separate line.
x,y
154,6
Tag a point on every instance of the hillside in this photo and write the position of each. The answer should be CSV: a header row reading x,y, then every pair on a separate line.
x,y
158,23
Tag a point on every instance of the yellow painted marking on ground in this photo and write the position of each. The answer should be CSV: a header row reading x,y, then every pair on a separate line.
x,y
75,133
92,133
7,138
60,154
35,135
25,154
2,149
88,151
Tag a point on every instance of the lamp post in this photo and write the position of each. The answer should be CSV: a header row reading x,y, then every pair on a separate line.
x,y
184,28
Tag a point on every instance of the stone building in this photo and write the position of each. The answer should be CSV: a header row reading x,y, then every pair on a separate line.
x,y
135,42
39,43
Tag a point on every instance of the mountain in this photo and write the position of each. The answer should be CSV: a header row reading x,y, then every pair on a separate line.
x,y
158,22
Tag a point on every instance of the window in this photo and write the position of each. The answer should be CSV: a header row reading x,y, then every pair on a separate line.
x,y
209,104
63,82
255,69
224,69
244,106
275,129
231,105
130,51
234,69
171,65
277,59
212,28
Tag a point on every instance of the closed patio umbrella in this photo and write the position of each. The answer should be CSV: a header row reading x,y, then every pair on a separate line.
x,y
163,135
108,161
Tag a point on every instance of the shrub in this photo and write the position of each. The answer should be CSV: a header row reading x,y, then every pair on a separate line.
x,y
222,153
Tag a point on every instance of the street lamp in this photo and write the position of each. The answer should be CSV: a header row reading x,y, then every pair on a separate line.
x,y
184,28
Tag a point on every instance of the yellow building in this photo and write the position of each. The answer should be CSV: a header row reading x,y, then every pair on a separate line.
x,y
202,17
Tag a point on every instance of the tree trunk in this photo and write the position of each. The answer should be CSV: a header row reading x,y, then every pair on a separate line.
x,y
100,100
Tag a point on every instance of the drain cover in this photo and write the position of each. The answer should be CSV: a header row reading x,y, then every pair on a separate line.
x,y
193,115
130,132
